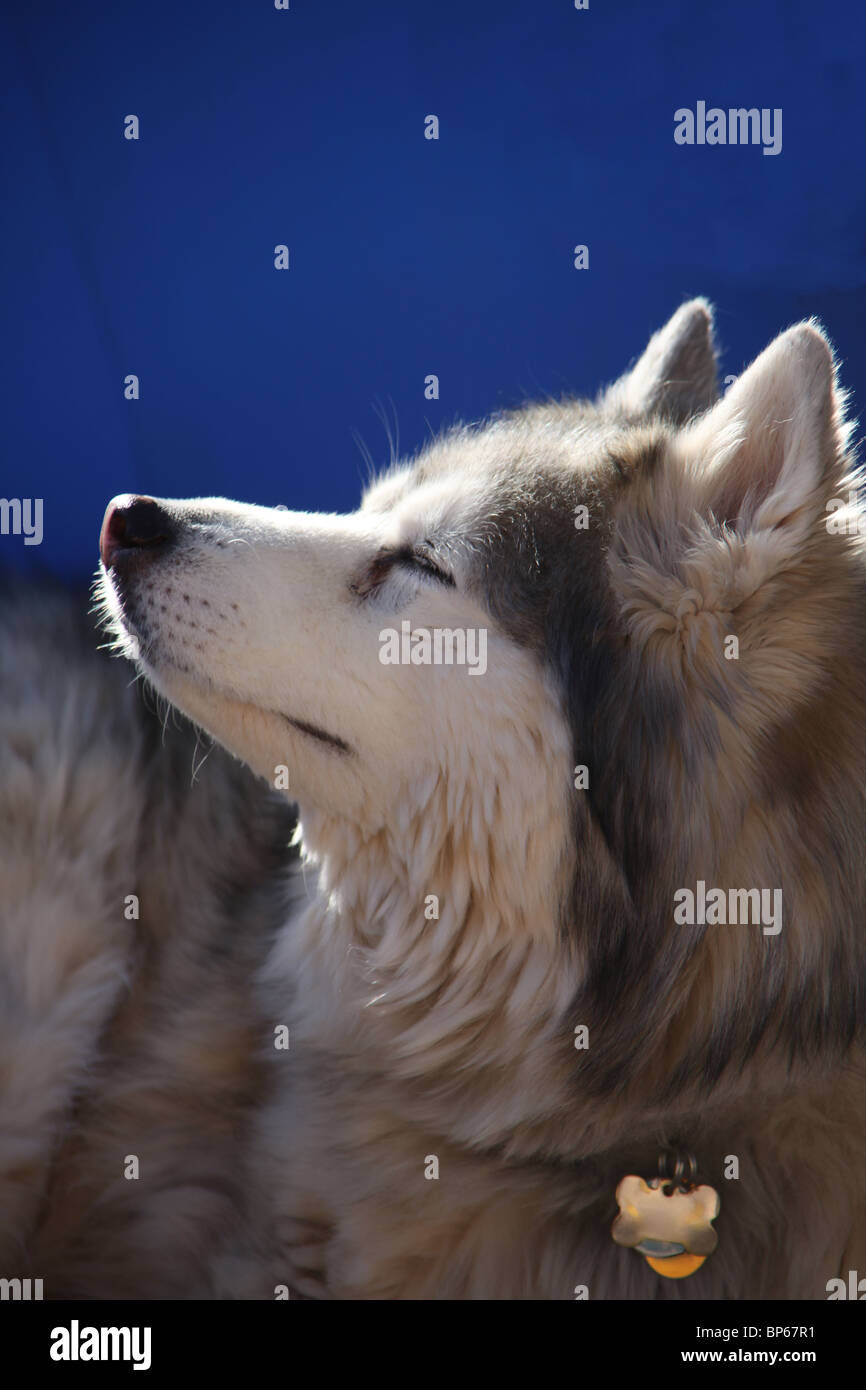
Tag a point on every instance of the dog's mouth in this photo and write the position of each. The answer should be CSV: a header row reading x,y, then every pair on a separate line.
x,y
165,669
168,672
313,731
182,683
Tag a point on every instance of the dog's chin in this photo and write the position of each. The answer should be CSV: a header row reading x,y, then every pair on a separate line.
x,y
260,738
306,764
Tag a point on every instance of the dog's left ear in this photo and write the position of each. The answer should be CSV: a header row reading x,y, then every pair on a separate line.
x,y
677,374
765,456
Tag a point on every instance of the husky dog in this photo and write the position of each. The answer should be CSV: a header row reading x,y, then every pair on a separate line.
x,y
592,899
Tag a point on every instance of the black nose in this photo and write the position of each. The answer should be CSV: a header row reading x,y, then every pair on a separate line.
x,y
134,523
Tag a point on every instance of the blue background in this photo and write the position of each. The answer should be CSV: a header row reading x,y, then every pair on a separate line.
x,y
408,256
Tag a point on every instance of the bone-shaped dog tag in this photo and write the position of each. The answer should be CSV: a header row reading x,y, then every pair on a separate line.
x,y
667,1222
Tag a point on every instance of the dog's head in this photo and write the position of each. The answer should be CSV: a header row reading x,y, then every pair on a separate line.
x,y
572,659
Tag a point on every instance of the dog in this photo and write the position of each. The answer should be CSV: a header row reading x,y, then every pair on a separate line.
x,y
571,710
141,881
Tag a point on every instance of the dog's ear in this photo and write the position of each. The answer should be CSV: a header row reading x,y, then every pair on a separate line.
x,y
765,456
677,375
743,495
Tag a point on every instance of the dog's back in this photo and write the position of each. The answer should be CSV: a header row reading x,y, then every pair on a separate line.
x,y
140,879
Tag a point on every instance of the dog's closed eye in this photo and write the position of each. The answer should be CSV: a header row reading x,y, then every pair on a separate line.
x,y
413,557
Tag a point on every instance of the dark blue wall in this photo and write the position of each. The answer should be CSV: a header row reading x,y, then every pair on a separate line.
x,y
407,256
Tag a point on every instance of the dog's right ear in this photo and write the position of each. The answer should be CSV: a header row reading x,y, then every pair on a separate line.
x,y
677,376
